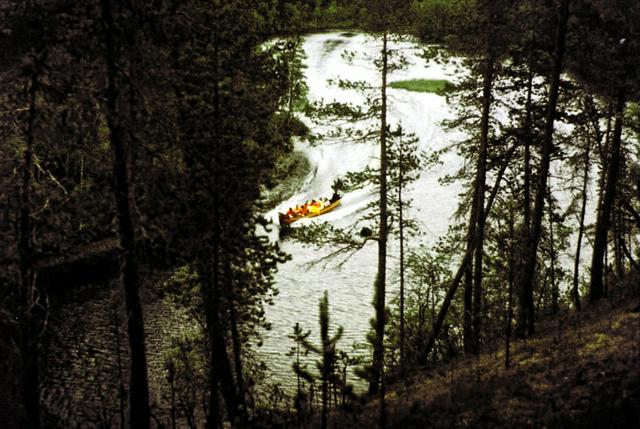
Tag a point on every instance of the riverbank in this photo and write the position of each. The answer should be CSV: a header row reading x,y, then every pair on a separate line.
x,y
289,175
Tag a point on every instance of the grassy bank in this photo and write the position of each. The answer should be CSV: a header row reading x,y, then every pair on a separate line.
x,y
436,86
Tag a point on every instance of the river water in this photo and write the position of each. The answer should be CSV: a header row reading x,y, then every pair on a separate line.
x,y
350,286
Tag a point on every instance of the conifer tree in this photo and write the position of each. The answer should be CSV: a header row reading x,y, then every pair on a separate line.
x,y
300,369
37,166
605,64
526,275
383,18
589,137
381,22
405,166
327,352
491,20
477,220
229,93
119,136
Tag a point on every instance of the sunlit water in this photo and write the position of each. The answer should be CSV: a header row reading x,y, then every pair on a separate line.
x,y
350,287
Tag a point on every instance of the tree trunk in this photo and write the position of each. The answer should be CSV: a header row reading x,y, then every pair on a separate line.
x,y
512,250
220,369
632,211
437,324
139,391
29,326
526,208
607,270
596,288
223,367
467,323
376,384
575,292
627,253
526,315
213,406
236,341
481,174
618,239
122,392
475,234
527,156
555,291
326,358
401,228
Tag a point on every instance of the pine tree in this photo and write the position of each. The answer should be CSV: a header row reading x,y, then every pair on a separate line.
x,y
328,355
405,166
526,275
605,64
119,134
491,19
300,338
229,93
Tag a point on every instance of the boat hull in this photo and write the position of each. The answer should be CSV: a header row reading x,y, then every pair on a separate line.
x,y
284,220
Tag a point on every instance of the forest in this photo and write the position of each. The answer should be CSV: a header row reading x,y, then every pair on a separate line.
x,y
481,250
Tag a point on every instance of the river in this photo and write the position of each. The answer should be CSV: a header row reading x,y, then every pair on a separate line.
x,y
350,287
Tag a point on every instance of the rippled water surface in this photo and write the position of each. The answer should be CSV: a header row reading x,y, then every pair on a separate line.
x,y
350,287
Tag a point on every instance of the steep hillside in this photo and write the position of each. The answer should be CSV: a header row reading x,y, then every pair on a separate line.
x,y
574,373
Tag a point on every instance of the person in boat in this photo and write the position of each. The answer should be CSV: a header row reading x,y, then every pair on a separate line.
x,y
335,197
290,213
314,207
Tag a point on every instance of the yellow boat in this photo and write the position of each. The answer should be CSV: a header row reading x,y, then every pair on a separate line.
x,y
286,220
